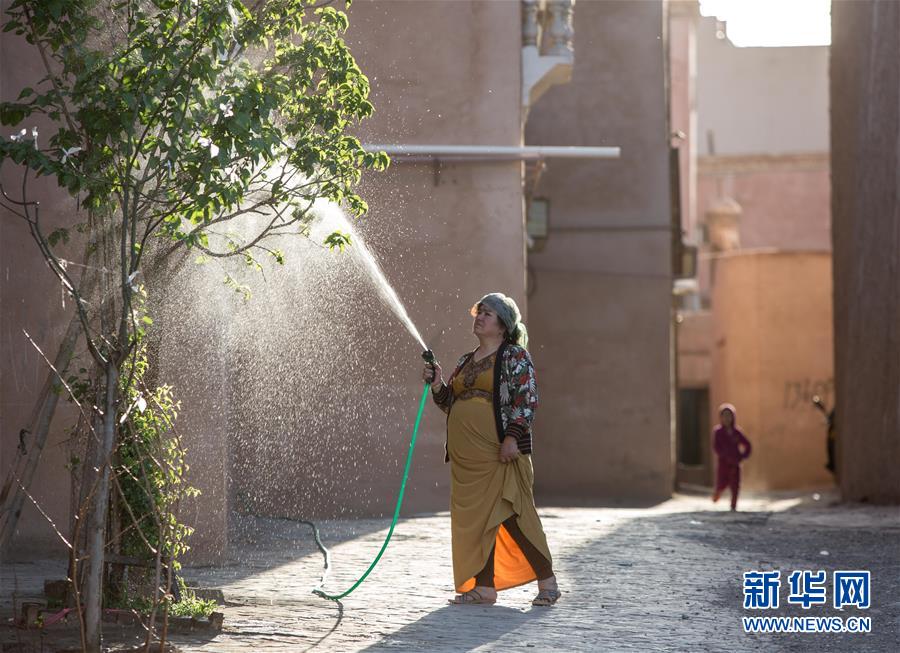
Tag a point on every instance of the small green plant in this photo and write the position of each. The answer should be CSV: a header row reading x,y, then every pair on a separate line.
x,y
190,605
150,479
151,467
55,604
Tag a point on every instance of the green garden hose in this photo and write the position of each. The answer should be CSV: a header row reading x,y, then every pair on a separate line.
x,y
412,444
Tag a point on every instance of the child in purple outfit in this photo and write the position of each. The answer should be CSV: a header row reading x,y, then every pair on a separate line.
x,y
731,447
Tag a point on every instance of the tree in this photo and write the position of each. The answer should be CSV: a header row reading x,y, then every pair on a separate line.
x,y
171,121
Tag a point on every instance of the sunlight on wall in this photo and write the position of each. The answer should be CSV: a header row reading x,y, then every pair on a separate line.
x,y
773,23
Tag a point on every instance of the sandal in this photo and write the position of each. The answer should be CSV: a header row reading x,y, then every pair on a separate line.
x,y
472,597
546,598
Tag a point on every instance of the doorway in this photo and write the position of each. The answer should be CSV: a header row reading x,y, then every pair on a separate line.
x,y
693,456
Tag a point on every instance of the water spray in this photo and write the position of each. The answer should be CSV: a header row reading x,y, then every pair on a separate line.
x,y
428,355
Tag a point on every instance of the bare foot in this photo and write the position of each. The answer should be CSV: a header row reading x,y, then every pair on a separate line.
x,y
548,593
487,592
479,594
548,584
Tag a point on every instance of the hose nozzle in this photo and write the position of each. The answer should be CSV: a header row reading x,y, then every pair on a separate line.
x,y
428,355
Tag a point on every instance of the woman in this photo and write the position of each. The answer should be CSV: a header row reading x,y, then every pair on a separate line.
x,y
498,540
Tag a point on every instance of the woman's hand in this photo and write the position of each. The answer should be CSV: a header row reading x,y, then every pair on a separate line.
x,y
509,450
432,374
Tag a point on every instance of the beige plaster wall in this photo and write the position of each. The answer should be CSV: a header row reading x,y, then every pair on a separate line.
x,y
444,235
694,349
600,309
682,24
760,100
865,131
772,340
457,84
31,299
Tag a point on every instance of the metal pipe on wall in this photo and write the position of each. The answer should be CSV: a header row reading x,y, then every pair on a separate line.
x,y
496,152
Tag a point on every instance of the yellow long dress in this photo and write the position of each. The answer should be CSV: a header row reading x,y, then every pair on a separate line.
x,y
485,492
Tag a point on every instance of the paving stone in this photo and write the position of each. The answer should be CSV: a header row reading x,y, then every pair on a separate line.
x,y
666,578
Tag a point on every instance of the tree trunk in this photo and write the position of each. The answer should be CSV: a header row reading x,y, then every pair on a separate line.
x,y
115,579
96,540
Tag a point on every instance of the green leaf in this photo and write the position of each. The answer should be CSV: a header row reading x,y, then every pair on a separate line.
x,y
58,235
12,113
337,240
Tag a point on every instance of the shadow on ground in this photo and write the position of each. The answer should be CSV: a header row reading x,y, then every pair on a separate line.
x,y
439,630
673,582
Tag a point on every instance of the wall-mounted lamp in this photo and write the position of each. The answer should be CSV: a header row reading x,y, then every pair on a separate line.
x,y
537,223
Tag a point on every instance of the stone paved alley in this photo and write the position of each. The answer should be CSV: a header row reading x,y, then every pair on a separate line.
x,y
665,578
